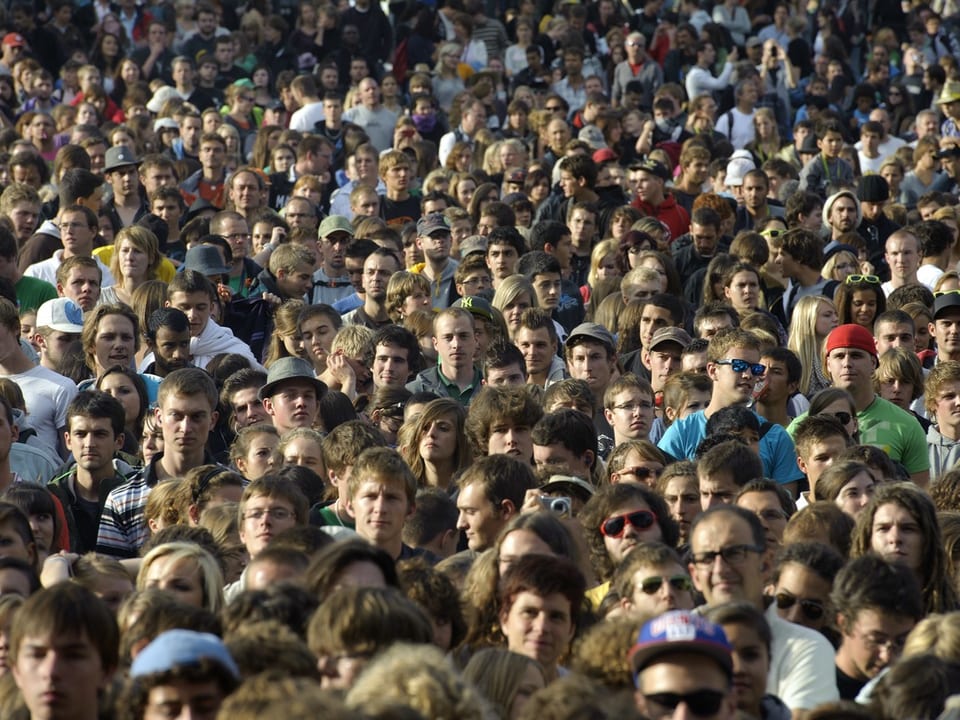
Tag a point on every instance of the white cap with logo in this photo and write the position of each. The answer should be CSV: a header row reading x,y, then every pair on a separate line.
x,y
62,315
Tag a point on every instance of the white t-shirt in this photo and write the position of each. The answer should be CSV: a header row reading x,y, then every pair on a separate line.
x,y
928,275
306,118
802,670
47,270
743,132
47,395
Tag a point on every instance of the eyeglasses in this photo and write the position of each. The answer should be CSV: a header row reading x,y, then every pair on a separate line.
x,y
642,473
276,513
614,527
631,408
732,555
891,645
862,278
700,702
813,609
741,366
652,585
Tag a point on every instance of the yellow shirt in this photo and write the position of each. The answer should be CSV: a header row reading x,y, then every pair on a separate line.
x,y
165,272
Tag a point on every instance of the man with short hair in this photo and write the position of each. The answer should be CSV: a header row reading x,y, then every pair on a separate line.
x,y
240,398
433,239
893,329
79,278
492,491
878,603
378,268
330,280
903,258
454,375
78,229
780,382
504,248
936,249
168,338
306,94
652,580
289,275
396,356
537,339
654,200
565,442
209,182
94,434
186,412
376,119
729,563
799,258
59,324
629,408
397,173
591,356
122,173
664,355
245,191
756,206
21,204
733,364
381,494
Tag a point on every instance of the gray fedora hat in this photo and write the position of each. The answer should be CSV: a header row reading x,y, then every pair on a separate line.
x,y
290,368
206,260
119,156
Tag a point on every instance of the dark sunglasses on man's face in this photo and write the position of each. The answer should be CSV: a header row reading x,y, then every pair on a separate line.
x,y
652,585
614,527
843,417
702,703
811,608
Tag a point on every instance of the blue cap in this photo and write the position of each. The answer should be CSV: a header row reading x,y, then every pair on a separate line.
x,y
681,631
179,648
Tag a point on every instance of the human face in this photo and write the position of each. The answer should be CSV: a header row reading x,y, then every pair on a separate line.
x,y
831,145
510,438
583,227
179,577
826,320
537,347
511,375
873,641
455,342
122,388
514,309
212,156
439,441
863,307
133,260
855,495
380,507
55,345
263,518
475,283
196,306
683,674
182,698
169,210
478,518
518,544
821,455
946,330
673,592
76,234
391,367
436,246
719,580
114,343
293,404
806,594
628,538
896,536
682,495
743,291
850,368
705,239
730,387
547,286
631,414
766,506
902,255
259,458
593,363
317,332
502,260
247,408
897,391
237,234
843,215
186,422
539,627
57,674
650,188
304,452
172,350
751,661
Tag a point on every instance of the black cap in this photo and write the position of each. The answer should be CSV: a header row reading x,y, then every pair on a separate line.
x,y
873,189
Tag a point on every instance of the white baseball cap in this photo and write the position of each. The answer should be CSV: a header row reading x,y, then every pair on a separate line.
x,y
62,315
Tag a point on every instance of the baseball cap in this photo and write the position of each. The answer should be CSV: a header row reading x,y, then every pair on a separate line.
x,y
14,40
334,223
476,306
155,104
851,336
473,244
655,168
603,155
60,314
737,168
593,136
431,223
594,332
165,124
943,302
949,151
180,648
681,631
670,334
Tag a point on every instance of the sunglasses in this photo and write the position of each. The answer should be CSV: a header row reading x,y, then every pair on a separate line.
x,y
741,366
843,417
813,609
862,278
700,702
642,473
680,583
613,527
941,293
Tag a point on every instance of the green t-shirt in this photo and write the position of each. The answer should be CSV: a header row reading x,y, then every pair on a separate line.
x,y
33,292
892,429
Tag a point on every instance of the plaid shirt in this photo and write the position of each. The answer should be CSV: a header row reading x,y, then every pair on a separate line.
x,y
123,528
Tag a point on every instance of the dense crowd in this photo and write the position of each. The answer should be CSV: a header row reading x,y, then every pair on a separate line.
x,y
485,360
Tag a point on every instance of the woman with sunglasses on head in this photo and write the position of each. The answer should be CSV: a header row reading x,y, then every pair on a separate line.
x,y
859,299
616,519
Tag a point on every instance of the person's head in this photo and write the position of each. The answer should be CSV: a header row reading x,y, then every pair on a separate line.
x,y
651,580
110,337
269,505
629,407
381,494
192,293
877,603
186,410
292,394
185,570
79,279
819,439
501,420
565,441
729,560
507,679
802,579
455,339
492,491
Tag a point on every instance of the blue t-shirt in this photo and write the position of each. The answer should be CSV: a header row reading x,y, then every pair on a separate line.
x,y
777,451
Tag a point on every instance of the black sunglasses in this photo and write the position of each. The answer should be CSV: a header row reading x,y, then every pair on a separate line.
x,y
843,417
680,583
813,609
641,519
700,702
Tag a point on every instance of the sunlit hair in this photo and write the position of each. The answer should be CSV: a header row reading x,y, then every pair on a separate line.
x,y
803,340
208,570
435,410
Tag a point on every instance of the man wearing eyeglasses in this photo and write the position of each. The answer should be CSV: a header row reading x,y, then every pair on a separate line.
x,y
733,364
878,603
78,227
730,564
651,580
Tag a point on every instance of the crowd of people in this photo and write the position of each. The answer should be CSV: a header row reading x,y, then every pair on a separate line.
x,y
491,360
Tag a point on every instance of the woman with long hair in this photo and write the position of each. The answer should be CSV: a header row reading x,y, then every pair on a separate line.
x,y
485,194
849,484
859,300
286,340
130,390
880,530
447,82
767,142
262,86
514,295
463,187
436,447
135,261
186,571
840,266
107,55
813,319
240,98
111,336
460,159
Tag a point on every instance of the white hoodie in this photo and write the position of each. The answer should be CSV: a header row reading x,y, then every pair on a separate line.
x,y
214,340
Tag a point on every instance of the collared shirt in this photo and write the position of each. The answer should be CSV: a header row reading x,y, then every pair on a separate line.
x,y
453,389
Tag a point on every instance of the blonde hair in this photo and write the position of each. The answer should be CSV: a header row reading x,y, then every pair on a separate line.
x,y
601,250
401,286
163,504
211,577
286,321
353,340
803,340
143,240
829,267
938,634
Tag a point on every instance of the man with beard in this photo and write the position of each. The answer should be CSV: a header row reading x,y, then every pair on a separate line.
x,y
59,324
168,337
378,268
95,422
842,214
